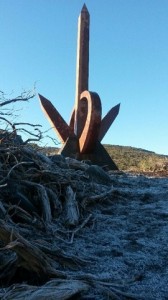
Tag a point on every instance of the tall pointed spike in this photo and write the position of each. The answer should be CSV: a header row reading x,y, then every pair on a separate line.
x,y
82,63
84,8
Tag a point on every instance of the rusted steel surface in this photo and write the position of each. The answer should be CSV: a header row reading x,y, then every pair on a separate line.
x,y
81,138
72,120
108,120
57,122
82,62
92,120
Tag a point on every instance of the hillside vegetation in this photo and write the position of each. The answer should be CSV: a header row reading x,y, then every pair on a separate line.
x,y
136,159
131,159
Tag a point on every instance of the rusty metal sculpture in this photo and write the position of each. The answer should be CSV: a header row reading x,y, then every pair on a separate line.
x,y
81,138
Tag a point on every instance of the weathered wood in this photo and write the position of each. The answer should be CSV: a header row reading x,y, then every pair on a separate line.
x,y
71,207
38,244
54,289
31,257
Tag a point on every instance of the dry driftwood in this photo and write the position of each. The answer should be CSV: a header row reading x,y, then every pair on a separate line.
x,y
71,207
54,289
31,257
96,198
43,207
43,198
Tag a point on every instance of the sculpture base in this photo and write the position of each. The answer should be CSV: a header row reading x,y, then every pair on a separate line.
x,y
98,156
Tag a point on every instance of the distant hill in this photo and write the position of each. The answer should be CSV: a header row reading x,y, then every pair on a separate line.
x,y
136,159
130,158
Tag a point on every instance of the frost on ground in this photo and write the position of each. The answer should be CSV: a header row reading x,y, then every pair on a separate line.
x,y
127,239
71,231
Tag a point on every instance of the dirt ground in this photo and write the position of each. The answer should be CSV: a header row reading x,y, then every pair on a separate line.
x,y
126,239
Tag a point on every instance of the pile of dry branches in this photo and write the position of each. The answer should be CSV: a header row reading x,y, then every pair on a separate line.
x,y
44,202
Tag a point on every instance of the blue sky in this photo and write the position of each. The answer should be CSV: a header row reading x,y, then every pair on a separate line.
x,y
128,62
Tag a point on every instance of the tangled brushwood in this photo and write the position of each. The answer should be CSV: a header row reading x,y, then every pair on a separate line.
x,y
64,228
43,199
43,206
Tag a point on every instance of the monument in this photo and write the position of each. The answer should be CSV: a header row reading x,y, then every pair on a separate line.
x,y
82,138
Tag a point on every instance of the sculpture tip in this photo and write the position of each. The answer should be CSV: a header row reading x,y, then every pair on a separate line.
x,y
84,8
40,96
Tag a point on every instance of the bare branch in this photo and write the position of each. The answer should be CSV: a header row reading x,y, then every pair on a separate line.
x,y
23,123
25,96
37,136
6,113
55,141
7,121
